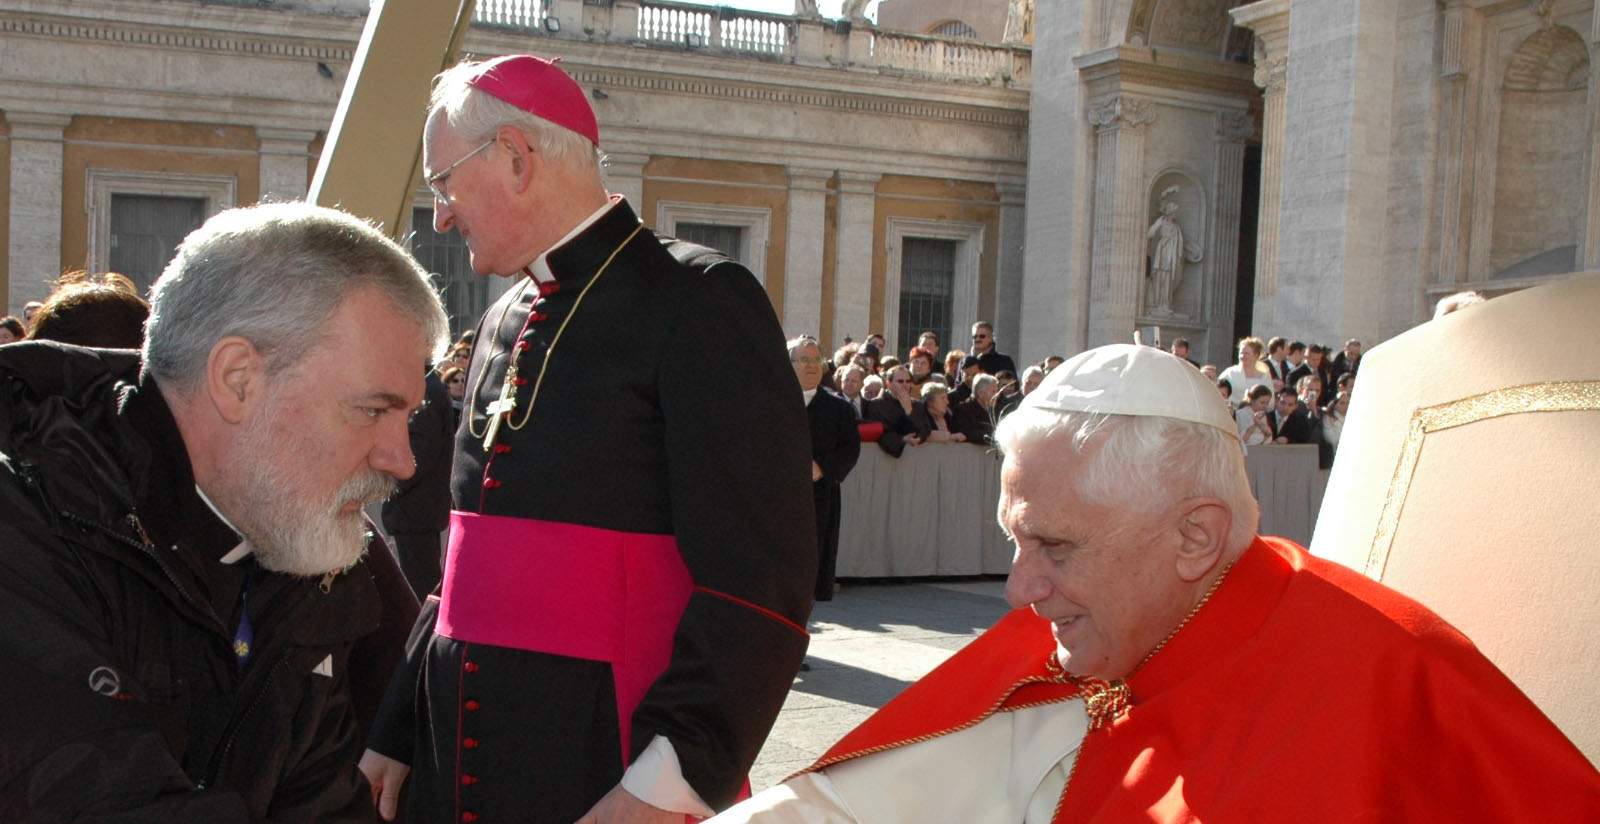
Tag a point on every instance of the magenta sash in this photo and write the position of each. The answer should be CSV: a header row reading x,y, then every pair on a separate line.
x,y
567,589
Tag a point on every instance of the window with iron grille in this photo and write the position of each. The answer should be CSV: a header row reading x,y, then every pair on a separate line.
x,y
146,230
927,291
728,240
464,292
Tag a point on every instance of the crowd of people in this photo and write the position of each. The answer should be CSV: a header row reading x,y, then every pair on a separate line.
x,y
104,310
1279,391
926,399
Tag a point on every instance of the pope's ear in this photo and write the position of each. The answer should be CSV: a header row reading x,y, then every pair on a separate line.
x,y
235,378
524,158
1203,527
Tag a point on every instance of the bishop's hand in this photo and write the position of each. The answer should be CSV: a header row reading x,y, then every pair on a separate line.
x,y
622,807
386,775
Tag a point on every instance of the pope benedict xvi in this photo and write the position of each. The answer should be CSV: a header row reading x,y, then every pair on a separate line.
x,y
1166,664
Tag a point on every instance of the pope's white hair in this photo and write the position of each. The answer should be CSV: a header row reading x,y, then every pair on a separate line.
x,y
1144,464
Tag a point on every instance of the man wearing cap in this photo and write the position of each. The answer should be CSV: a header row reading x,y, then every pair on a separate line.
x,y
1166,664
631,558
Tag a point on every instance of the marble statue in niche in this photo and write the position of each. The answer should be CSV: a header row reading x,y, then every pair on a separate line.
x,y
1168,253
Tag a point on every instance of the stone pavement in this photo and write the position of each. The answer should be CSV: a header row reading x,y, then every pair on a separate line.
x,y
867,644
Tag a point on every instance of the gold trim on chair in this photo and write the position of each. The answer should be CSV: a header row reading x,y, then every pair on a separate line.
x,y
1555,396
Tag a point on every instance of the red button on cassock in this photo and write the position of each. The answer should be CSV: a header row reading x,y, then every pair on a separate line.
x,y
469,780
520,382
469,743
472,706
501,449
470,667
469,816
537,317
549,287
490,483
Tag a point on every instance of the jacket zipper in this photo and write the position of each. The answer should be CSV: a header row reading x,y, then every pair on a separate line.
x,y
149,549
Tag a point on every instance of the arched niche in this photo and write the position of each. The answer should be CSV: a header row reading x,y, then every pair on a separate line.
x,y
1198,26
1183,189
1543,136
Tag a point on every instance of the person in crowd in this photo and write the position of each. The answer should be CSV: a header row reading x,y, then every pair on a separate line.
x,y
886,363
921,361
877,341
871,390
1248,372
983,347
974,417
1052,362
932,416
835,447
1317,357
1165,663
1180,349
1251,418
1226,389
893,409
1346,382
460,357
198,618
930,342
1299,366
867,358
11,329
844,356
1276,363
1010,394
1288,420
419,510
960,382
1031,378
1309,388
1309,391
455,384
104,311
1209,370
952,369
599,455
30,309
1333,421
1348,361
850,380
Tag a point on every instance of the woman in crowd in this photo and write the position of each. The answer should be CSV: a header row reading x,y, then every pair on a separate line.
x,y
932,415
872,388
1227,391
952,367
1249,371
1254,428
11,329
921,367
1333,419
455,382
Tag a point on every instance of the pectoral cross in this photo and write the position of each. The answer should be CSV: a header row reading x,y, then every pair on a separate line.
x,y
502,407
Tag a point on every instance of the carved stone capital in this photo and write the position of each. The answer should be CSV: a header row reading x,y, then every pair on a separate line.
x,y
1272,73
1121,111
1235,127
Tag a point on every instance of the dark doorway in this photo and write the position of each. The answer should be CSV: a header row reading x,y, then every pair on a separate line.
x,y
1244,290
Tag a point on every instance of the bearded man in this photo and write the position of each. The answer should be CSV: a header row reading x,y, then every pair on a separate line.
x,y
182,572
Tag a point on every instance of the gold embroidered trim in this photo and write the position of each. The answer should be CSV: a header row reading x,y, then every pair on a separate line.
x,y
1554,396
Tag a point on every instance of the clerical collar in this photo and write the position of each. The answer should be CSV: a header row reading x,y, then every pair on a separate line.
x,y
238,553
539,269
809,394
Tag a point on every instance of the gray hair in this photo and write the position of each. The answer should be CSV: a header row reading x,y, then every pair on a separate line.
x,y
983,381
800,342
932,388
1030,372
476,116
1145,463
274,274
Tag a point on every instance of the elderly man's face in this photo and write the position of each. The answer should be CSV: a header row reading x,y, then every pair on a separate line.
x,y
1105,579
329,437
986,394
475,202
1032,382
807,362
851,383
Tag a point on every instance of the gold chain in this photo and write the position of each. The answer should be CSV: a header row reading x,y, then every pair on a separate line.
x,y
545,364
484,372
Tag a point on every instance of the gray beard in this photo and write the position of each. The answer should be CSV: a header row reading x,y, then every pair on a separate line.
x,y
286,531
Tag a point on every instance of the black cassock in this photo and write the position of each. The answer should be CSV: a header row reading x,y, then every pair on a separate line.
x,y
630,442
835,446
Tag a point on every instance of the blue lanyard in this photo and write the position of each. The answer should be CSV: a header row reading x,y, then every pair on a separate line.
x,y
244,636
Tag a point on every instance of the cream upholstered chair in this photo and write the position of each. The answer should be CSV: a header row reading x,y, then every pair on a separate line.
x,y
1468,477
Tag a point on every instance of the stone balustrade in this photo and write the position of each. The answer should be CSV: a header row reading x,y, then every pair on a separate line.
x,y
725,31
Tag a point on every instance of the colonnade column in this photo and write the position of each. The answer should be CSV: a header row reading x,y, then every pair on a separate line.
x,y
1233,129
1116,268
852,269
1269,19
802,257
1589,254
37,144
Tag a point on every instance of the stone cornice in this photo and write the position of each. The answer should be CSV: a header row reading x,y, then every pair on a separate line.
x,y
189,37
1137,65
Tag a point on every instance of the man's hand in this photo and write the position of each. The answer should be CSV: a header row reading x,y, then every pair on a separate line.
x,y
816,471
385,775
622,807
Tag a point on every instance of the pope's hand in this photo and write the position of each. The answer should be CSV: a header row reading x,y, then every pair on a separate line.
x,y
622,807
385,775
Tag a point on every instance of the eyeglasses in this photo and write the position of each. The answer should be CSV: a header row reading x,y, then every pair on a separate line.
x,y
436,181
809,361
980,337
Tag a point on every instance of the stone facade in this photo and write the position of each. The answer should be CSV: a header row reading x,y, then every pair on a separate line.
x,y
812,139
